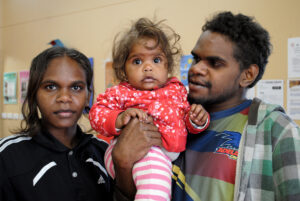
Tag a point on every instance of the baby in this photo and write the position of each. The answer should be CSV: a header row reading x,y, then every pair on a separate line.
x,y
143,58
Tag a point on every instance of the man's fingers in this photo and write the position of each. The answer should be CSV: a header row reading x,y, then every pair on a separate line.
x,y
149,127
149,120
156,142
153,134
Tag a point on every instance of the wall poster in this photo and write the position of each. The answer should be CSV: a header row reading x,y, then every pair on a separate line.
x,y
24,79
10,88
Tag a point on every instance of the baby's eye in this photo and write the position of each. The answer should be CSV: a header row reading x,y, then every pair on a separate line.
x,y
157,60
137,61
50,87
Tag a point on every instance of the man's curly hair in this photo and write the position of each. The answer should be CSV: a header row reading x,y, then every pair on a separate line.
x,y
165,37
251,41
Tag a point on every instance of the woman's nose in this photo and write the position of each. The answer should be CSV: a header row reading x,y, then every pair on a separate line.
x,y
64,96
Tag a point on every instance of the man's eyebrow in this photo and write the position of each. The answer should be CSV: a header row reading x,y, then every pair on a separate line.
x,y
215,58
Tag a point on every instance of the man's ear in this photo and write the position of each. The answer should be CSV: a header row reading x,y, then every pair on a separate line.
x,y
249,75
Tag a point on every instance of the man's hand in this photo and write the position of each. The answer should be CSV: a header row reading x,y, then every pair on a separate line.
x,y
134,143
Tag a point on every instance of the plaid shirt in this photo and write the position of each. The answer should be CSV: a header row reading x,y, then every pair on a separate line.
x,y
269,156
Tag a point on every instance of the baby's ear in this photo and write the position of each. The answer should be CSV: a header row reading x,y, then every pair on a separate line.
x,y
249,75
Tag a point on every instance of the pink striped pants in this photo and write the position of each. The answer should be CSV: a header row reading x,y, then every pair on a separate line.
x,y
152,174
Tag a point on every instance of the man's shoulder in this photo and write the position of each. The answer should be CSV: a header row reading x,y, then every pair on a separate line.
x,y
272,116
274,112
263,111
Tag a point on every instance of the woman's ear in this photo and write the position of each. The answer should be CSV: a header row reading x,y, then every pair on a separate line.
x,y
249,75
88,99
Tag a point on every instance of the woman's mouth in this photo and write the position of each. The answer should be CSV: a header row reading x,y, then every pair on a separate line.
x,y
64,113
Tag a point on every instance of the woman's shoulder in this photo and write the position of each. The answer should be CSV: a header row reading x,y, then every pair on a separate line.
x,y
15,153
97,142
13,142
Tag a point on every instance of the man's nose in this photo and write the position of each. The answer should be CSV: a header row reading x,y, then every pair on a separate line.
x,y
199,68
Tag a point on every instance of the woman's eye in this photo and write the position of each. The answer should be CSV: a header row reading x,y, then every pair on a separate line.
x,y
157,60
137,61
77,88
51,87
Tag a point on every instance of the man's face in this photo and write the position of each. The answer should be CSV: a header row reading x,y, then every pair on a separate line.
x,y
214,78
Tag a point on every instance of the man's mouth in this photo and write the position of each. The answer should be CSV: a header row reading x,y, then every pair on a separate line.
x,y
197,82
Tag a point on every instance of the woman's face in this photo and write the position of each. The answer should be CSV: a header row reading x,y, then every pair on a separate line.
x,y
62,94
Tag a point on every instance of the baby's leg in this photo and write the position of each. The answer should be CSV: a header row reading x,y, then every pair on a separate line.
x,y
152,176
109,165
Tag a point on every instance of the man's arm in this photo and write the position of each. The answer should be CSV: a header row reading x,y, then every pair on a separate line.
x,y
286,160
134,142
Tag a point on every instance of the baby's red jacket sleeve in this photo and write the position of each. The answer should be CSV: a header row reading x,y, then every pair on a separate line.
x,y
104,112
193,128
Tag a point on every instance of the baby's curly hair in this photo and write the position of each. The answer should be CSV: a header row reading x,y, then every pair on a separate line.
x,y
164,35
251,41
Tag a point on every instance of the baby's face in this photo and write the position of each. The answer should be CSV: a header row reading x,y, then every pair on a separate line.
x,y
147,66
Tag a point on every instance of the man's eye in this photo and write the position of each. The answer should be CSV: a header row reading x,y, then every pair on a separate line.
x,y
196,59
51,87
137,61
215,63
157,60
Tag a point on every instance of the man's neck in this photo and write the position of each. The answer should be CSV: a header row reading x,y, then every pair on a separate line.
x,y
223,106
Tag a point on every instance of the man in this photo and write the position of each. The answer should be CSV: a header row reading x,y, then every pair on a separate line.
x,y
251,150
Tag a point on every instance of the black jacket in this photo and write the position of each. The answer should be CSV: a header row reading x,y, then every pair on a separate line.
x,y
40,168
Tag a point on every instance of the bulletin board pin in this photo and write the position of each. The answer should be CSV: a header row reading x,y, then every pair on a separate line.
x,y
56,42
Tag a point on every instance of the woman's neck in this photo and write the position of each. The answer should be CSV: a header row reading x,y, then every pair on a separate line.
x,y
66,136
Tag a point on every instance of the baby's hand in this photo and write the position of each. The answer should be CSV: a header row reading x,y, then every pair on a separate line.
x,y
198,115
125,117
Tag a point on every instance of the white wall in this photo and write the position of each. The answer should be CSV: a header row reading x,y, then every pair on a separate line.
x,y
90,25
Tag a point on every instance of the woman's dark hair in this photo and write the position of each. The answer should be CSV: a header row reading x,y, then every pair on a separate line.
x,y
251,41
165,37
31,123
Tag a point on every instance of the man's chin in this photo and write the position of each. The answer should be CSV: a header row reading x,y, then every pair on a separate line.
x,y
193,100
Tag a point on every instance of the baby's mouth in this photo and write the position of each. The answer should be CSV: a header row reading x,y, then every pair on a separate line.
x,y
148,79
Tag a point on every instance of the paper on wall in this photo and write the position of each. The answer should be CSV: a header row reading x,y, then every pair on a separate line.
x,y
270,91
293,57
293,98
